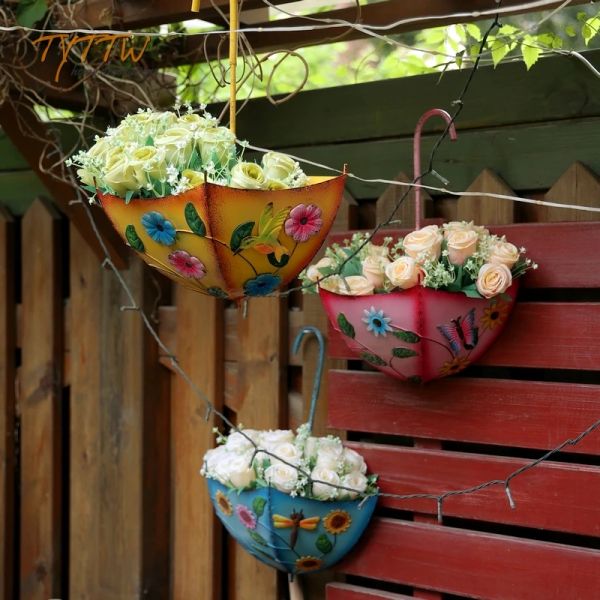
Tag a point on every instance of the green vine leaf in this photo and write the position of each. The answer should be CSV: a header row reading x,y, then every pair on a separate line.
x,y
410,337
404,353
240,233
373,359
530,52
258,506
345,326
324,544
192,218
285,259
500,49
133,239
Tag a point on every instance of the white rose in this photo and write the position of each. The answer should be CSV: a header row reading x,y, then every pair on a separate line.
x,y
323,491
493,280
121,177
353,461
424,244
373,268
504,253
282,477
287,452
313,273
240,443
247,176
279,166
100,149
356,481
330,453
217,145
177,143
404,272
213,457
86,177
236,470
355,285
272,438
311,447
461,245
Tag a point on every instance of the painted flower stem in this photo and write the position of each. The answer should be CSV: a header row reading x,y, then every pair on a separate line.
x,y
426,339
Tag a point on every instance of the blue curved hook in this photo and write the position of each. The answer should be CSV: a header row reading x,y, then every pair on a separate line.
x,y
320,365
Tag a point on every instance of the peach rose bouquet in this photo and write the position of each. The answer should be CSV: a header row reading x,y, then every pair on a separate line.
x,y
456,257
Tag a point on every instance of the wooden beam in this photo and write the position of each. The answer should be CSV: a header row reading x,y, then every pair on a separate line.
x,y
29,137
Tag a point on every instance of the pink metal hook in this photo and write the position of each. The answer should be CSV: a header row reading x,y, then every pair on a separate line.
x,y
417,153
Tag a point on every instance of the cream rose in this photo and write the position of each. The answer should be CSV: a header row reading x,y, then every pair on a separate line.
x,y
378,251
248,176
240,443
353,461
323,491
236,471
311,447
403,273
287,452
194,122
424,244
275,184
332,283
100,150
462,243
86,177
313,273
493,280
177,143
212,458
355,481
504,253
146,162
463,226
355,285
195,178
272,438
279,166
282,477
373,268
121,177
217,145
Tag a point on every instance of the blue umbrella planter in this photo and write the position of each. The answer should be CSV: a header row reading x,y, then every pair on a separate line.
x,y
296,502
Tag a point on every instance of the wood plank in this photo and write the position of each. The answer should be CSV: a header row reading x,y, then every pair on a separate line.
x,y
195,561
541,415
483,209
553,495
85,409
41,406
16,124
344,591
261,385
7,403
566,251
574,343
498,566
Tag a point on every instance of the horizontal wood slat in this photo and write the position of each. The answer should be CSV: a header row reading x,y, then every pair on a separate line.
x,y
566,252
344,591
556,496
538,335
524,414
478,565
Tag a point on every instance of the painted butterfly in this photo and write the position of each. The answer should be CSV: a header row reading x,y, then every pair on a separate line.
x,y
461,332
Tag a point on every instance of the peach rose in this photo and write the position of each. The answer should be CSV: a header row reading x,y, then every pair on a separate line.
x,y
313,273
373,268
504,253
356,285
424,244
493,279
463,226
461,245
403,272
378,251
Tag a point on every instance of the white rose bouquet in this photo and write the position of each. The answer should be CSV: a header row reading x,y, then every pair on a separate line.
x,y
297,464
156,154
456,257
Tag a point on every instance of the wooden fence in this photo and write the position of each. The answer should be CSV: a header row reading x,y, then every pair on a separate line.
x,y
100,496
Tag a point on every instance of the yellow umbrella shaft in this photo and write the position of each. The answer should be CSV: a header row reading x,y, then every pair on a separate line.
x,y
233,45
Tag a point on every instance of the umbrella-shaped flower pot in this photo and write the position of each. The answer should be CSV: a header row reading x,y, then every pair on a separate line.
x,y
418,334
230,242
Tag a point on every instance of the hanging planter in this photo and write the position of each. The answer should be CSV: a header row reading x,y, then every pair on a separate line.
x,y
424,306
292,522
178,191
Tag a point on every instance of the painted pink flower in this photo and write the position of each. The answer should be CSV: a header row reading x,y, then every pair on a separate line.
x,y
303,222
246,516
187,265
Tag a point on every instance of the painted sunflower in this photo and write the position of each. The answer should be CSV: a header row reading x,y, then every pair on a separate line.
x,y
337,521
308,563
495,314
457,364
223,503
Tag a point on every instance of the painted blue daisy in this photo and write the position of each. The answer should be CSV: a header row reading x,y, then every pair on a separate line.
x,y
262,285
376,322
158,228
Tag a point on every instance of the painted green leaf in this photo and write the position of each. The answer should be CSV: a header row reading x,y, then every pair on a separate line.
x,y
194,221
258,506
259,539
410,337
133,239
345,326
404,353
373,359
285,259
240,233
471,292
324,544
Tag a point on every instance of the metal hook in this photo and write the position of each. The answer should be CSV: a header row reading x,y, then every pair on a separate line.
x,y
320,365
417,153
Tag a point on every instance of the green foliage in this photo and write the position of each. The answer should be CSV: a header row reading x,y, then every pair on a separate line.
x,y
29,12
